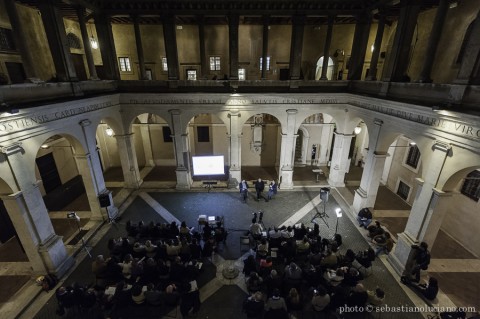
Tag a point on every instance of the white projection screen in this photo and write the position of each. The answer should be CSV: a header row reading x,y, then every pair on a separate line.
x,y
208,165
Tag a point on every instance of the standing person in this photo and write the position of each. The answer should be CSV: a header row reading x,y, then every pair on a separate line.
x,y
243,186
422,259
272,190
259,187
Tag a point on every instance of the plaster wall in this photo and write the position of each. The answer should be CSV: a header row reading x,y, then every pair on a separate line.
x,y
270,146
137,140
216,44
462,220
163,152
250,38
124,38
279,42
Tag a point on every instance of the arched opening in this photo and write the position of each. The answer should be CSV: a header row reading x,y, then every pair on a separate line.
x,y
261,143
318,72
109,156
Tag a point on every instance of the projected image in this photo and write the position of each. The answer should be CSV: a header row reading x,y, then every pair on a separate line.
x,y
208,165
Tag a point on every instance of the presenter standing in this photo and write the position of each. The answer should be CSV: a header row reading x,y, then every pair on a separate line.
x,y
243,186
259,187
272,190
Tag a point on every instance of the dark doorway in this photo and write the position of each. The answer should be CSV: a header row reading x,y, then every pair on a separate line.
x,y
284,74
48,172
16,72
79,66
7,230
100,71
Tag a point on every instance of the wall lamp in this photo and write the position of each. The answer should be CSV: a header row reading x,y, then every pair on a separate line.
x,y
109,131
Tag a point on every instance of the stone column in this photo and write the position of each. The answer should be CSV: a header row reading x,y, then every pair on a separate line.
x,y
396,67
89,167
366,194
87,48
201,40
138,43
233,21
171,51
287,152
433,41
469,72
107,46
372,74
182,151
57,41
266,25
128,159
235,150
338,166
21,43
325,142
326,48
298,24
26,208
359,46
147,144
420,225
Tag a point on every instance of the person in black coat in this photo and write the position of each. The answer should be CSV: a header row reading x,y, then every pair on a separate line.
x,y
259,187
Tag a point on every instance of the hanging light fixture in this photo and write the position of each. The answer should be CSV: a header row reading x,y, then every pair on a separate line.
x,y
93,41
109,131
357,130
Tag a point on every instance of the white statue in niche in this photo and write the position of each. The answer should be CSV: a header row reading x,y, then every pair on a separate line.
x,y
257,136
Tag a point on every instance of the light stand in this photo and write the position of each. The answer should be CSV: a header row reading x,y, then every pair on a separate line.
x,y
73,215
338,212
324,192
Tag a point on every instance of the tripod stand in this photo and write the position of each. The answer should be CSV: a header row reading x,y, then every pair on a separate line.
x,y
324,192
84,244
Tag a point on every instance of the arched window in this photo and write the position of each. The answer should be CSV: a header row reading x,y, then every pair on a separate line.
x,y
318,72
73,41
463,48
471,185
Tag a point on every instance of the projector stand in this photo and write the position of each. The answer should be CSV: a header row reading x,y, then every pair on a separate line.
x,y
322,215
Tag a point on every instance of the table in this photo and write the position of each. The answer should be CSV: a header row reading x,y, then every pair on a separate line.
x,y
317,172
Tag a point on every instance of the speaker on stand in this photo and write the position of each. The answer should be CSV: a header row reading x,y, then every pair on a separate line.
x,y
324,194
104,200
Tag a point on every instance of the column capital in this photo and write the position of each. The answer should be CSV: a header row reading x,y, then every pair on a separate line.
x,y
175,111
84,123
442,146
11,148
298,19
234,112
123,136
419,181
378,122
12,196
380,154
344,134
292,111
440,193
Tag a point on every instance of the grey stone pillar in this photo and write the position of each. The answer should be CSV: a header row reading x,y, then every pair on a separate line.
x,y
87,48
26,208
19,32
235,149
128,159
469,72
233,21
298,24
396,67
326,48
138,42
201,40
433,41
266,25
287,151
359,47
57,41
107,46
182,150
170,39
372,74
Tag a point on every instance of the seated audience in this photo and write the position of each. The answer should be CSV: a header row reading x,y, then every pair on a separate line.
x,y
254,305
320,299
364,217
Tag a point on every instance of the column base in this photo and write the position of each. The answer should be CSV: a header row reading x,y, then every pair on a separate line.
x,y
335,184
234,178
184,180
360,200
55,257
402,256
134,185
286,176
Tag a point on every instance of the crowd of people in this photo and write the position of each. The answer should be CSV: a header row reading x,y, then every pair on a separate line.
x,y
155,264
305,273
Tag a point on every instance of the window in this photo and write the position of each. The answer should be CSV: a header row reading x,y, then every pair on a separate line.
x,y
125,64
6,40
471,185
241,74
73,41
191,75
413,156
164,64
268,63
167,134
203,134
403,190
214,63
